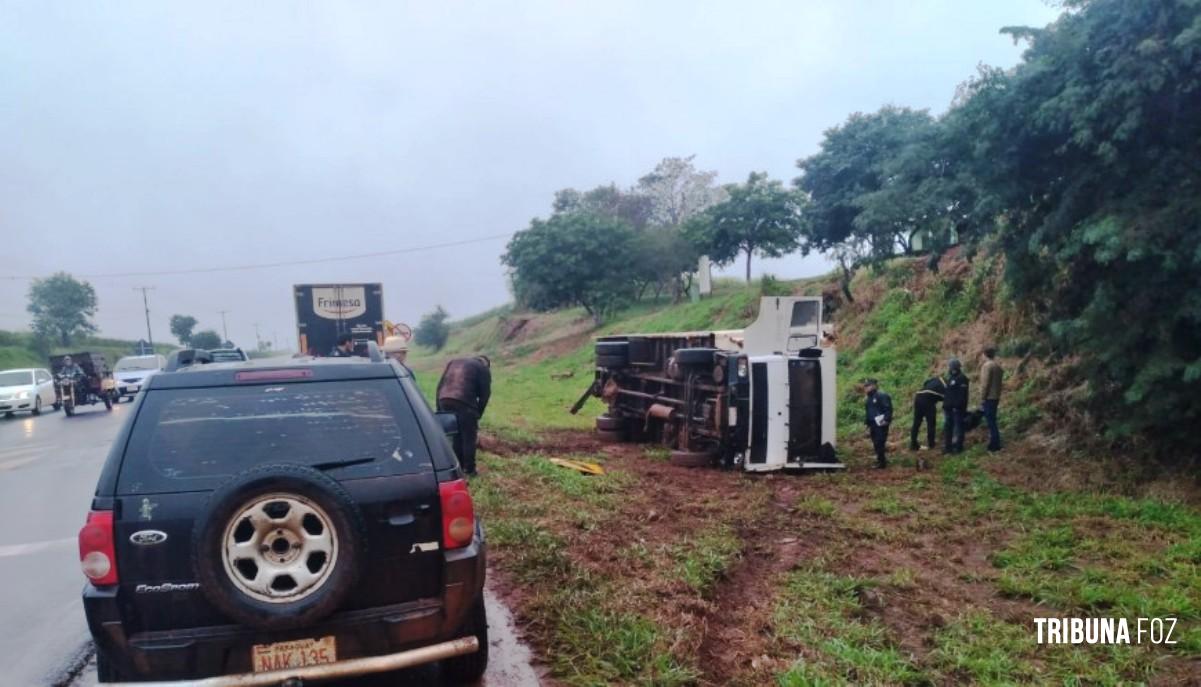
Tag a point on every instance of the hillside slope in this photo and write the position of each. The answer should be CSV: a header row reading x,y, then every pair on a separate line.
x,y
653,574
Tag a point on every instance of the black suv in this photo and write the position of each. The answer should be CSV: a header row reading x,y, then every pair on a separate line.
x,y
261,523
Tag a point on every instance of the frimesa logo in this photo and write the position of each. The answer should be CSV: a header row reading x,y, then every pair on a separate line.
x,y
340,303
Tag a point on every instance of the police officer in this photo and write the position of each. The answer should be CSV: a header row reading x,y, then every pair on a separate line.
x,y
464,390
925,409
954,407
878,416
991,378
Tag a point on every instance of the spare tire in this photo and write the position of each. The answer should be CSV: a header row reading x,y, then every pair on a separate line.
x,y
278,547
695,356
610,424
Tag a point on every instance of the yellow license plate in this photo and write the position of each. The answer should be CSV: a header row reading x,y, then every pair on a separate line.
x,y
294,654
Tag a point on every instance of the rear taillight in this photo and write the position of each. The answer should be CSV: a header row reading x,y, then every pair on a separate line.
x,y
97,550
458,514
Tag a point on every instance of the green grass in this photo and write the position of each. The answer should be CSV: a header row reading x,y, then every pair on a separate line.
x,y
704,558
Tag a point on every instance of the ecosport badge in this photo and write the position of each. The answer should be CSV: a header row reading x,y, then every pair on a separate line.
x,y
148,537
342,303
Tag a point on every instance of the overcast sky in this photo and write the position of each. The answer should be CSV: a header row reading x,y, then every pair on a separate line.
x,y
170,136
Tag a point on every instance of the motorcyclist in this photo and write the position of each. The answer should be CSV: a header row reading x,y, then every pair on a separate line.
x,y
70,370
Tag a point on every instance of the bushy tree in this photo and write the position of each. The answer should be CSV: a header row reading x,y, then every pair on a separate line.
x,y
678,191
573,259
62,308
181,327
206,339
433,330
758,217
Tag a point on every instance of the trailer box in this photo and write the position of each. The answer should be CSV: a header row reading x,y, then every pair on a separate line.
x,y
326,311
760,398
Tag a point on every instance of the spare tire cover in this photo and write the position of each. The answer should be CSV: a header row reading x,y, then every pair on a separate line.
x,y
278,546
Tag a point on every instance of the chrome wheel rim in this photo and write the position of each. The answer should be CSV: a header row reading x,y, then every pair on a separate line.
x,y
279,548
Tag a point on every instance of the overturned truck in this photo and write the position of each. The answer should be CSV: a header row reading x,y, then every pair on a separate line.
x,y
760,398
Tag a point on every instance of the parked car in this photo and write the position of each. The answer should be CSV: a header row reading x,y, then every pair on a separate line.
x,y
132,371
228,355
29,389
268,522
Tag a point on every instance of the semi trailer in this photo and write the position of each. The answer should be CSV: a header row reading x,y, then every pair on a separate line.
x,y
758,399
325,312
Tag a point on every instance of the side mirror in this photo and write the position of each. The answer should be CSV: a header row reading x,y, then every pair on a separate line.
x,y
449,422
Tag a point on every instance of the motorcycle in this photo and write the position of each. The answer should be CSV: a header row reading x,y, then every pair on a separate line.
x,y
92,383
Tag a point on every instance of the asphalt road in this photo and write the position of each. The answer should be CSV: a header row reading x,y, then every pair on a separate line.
x,y
48,470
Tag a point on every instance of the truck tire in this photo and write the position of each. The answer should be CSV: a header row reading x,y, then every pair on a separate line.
x,y
611,361
611,436
612,353
105,671
610,424
309,520
469,668
692,459
694,356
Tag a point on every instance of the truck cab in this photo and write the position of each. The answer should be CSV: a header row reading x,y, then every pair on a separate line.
x,y
760,398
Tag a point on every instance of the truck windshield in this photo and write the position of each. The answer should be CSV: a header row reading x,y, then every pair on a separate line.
x,y
16,378
193,439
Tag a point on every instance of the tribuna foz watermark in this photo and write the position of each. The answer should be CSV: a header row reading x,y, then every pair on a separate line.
x,y
1105,630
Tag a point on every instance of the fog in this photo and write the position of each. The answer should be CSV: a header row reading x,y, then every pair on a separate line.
x,y
158,137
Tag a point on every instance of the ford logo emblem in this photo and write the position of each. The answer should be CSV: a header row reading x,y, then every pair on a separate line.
x,y
148,537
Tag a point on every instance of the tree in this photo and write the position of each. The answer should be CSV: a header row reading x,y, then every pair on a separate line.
x,y
569,259
678,191
760,216
62,307
182,326
433,330
206,339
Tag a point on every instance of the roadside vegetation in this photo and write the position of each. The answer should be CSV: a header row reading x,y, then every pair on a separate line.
x,y
652,574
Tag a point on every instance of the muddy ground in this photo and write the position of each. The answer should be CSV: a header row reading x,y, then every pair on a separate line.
x,y
923,545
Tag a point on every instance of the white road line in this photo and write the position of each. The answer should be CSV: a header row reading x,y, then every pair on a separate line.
x,y
34,547
16,463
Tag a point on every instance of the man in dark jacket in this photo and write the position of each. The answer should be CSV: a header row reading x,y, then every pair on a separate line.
x,y
344,348
925,409
954,407
464,390
878,416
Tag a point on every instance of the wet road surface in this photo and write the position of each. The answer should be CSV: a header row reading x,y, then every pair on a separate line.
x,y
48,470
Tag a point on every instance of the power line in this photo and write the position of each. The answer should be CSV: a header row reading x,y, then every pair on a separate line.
x,y
285,263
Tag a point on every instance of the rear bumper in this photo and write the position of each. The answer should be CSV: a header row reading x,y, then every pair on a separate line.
x,y
341,669
368,640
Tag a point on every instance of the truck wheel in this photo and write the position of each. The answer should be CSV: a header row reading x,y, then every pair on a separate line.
x,y
612,353
611,361
468,668
306,533
69,409
610,436
108,402
610,424
694,356
692,459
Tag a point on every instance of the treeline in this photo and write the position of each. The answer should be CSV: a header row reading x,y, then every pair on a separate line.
x,y
1081,165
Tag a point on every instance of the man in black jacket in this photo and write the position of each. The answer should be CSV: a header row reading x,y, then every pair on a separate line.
x,y
464,390
925,409
878,416
954,408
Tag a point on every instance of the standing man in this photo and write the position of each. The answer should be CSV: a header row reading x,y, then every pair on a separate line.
x,y
878,416
925,409
344,348
464,390
991,377
954,407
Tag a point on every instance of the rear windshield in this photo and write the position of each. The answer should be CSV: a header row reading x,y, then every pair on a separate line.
x,y
129,364
226,356
194,439
15,378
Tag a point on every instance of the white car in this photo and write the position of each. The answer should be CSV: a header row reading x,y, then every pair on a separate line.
x,y
30,389
132,372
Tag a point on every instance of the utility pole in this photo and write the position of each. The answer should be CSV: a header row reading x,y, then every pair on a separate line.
x,y
224,331
146,304
258,342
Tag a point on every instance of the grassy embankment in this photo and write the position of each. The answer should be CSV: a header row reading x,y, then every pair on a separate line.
x,y
653,574
19,349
